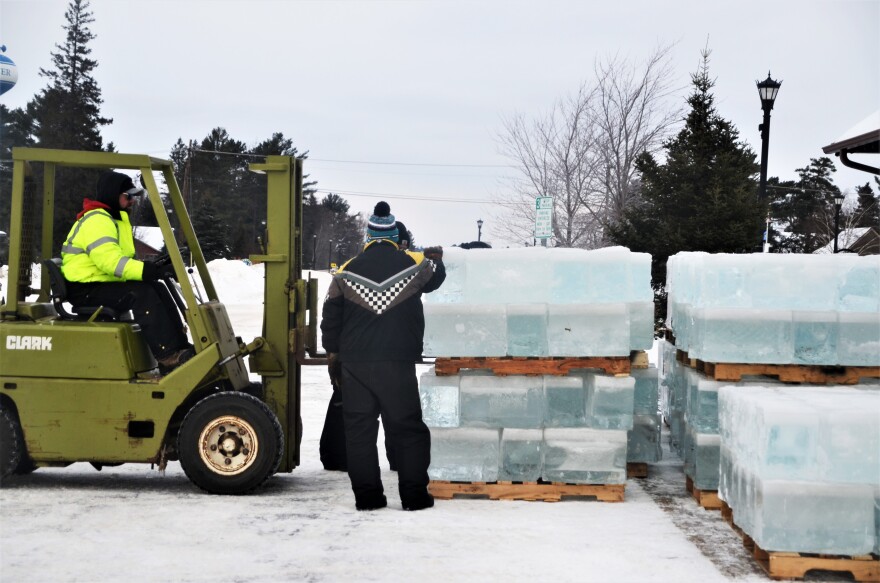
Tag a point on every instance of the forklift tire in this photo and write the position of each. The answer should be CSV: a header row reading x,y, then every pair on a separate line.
x,y
11,444
230,443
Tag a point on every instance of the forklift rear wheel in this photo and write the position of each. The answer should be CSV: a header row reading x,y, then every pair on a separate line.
x,y
11,444
230,443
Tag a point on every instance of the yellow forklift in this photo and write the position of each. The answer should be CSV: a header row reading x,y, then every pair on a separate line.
x,y
81,385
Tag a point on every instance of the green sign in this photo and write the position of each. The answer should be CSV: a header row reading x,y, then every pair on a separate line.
x,y
543,217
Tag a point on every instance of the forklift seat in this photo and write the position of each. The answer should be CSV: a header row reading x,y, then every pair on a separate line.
x,y
58,289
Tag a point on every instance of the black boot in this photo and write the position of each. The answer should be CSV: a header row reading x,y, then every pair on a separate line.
x,y
418,502
371,502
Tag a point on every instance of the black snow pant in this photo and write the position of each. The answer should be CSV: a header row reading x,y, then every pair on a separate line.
x,y
332,447
151,304
389,388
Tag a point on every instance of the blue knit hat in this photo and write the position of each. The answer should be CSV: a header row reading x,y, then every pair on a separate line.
x,y
382,224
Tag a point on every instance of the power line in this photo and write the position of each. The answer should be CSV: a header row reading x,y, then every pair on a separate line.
x,y
405,196
412,163
304,156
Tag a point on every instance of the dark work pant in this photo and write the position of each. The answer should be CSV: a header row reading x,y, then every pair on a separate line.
x,y
151,303
332,447
389,388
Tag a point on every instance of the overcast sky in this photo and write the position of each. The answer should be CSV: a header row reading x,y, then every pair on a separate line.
x,y
405,99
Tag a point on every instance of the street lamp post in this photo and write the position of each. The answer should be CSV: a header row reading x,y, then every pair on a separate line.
x,y
479,229
314,250
330,254
767,90
838,202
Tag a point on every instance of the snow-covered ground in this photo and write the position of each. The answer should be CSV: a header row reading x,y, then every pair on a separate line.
x,y
131,523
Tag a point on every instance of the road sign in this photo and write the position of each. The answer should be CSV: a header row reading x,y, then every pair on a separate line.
x,y
543,217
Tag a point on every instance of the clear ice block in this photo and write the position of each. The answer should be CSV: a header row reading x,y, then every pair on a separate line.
x,y
522,457
508,276
588,330
702,403
859,289
512,401
440,399
452,290
858,341
643,440
743,335
704,460
609,401
815,337
527,329
565,401
641,325
465,454
646,390
584,456
465,330
811,517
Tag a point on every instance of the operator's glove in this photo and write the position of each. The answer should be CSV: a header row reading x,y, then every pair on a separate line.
x,y
163,259
153,272
334,368
434,253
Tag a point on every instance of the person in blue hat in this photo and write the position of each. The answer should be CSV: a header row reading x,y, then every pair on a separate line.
x,y
373,328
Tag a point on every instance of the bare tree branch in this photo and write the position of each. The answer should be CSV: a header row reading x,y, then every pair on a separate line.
x,y
583,152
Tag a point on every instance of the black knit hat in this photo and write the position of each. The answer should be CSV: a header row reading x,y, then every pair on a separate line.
x,y
111,185
382,224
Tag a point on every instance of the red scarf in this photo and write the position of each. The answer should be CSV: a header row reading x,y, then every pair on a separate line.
x,y
90,205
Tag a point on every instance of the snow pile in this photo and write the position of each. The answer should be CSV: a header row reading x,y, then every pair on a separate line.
x,y
776,308
541,302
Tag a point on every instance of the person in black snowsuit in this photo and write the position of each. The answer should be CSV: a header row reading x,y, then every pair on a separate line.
x,y
332,445
373,326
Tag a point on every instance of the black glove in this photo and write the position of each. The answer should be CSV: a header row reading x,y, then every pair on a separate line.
x,y
153,272
434,253
334,368
161,260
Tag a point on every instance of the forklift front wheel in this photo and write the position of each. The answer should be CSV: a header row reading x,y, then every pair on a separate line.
x,y
11,444
230,443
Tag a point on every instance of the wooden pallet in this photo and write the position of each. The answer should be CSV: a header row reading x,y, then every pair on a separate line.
x,y
787,565
548,492
636,470
708,499
527,365
786,373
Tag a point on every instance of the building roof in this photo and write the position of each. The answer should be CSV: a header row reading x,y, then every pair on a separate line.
x,y
861,240
862,138
150,236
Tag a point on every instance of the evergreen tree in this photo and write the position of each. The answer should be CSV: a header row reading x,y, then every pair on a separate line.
x,y
867,213
66,114
803,210
212,232
700,197
16,130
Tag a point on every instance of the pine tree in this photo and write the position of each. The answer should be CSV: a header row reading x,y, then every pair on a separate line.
x,y
66,114
803,210
16,130
867,213
700,197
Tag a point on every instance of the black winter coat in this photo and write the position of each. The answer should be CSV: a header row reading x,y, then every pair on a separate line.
x,y
373,310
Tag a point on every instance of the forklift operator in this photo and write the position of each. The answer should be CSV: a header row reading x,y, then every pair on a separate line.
x,y
98,263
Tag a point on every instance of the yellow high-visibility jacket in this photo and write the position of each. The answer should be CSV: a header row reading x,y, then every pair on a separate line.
x,y
100,248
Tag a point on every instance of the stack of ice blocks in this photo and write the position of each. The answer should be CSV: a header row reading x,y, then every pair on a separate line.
x,y
541,302
800,467
776,308
570,429
643,440
690,405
